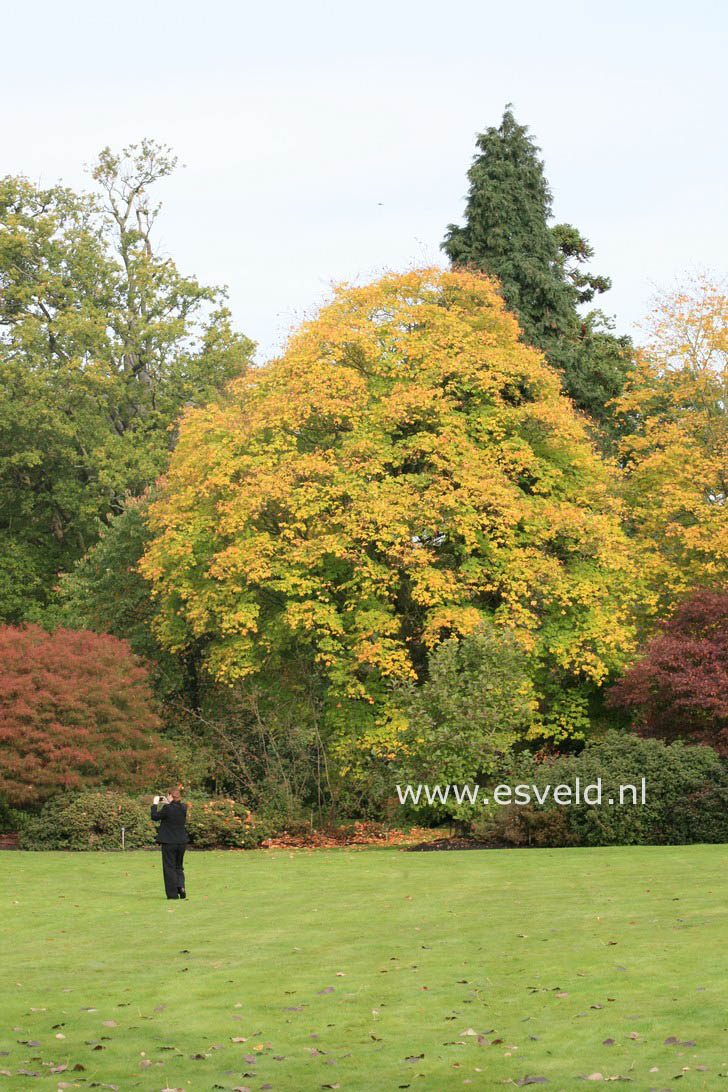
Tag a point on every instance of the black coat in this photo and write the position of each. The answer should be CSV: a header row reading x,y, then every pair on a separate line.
x,y
171,819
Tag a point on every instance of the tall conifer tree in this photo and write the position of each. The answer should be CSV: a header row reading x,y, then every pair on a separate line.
x,y
540,267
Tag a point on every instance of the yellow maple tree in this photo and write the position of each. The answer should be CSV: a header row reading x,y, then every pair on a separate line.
x,y
675,452
405,469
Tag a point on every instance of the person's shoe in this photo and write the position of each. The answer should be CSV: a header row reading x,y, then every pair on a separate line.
x,y
172,896
181,892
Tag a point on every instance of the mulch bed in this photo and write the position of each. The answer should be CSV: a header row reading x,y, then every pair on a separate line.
x,y
359,834
454,842
416,840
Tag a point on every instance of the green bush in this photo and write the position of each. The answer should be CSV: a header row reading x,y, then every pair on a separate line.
x,y
686,797
93,820
10,818
279,811
525,825
475,703
89,820
224,823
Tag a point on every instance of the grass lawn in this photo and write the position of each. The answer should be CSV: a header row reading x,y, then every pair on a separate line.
x,y
366,969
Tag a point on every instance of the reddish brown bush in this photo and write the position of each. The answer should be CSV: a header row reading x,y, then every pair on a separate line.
x,y
76,711
679,689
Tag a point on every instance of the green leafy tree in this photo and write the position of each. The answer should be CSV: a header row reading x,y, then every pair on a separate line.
x,y
541,268
106,593
102,343
476,701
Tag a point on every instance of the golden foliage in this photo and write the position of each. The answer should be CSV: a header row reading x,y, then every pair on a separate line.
x,y
406,467
675,454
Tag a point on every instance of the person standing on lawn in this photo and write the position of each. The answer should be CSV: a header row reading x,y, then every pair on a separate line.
x,y
170,812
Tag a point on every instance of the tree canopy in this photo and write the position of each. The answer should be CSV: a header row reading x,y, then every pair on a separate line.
x,y
407,468
76,711
678,689
102,343
674,451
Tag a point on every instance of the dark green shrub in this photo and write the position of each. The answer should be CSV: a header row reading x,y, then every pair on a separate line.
x,y
702,816
279,812
525,825
686,797
10,818
89,820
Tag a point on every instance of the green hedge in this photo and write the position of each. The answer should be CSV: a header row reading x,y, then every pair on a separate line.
x,y
94,820
686,797
89,820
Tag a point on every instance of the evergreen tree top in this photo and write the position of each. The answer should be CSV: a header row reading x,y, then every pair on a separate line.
x,y
507,234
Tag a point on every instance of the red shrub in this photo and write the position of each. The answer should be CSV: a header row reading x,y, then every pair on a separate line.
x,y
679,689
76,711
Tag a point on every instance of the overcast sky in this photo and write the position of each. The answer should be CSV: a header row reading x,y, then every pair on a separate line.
x,y
330,141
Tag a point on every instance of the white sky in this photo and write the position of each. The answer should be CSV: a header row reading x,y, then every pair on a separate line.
x,y
329,141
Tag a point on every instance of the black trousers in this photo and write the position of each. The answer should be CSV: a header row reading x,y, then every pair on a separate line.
x,y
174,878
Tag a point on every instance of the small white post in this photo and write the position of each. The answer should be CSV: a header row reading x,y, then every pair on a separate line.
x,y
123,833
